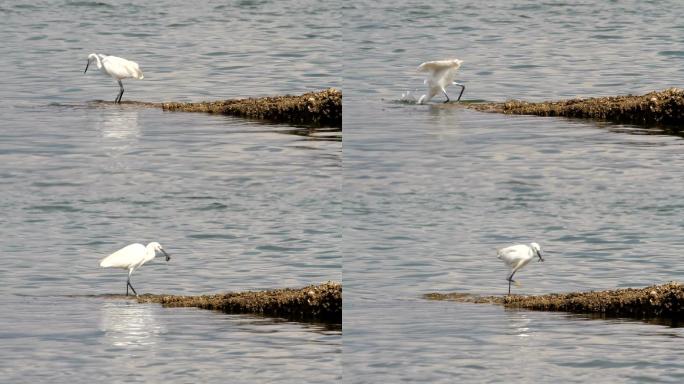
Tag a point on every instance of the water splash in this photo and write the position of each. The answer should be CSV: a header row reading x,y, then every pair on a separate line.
x,y
409,97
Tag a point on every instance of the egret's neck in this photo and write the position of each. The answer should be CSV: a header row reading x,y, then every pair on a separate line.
x,y
535,252
98,62
150,253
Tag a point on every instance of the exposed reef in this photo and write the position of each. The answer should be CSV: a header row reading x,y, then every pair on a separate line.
x,y
322,108
654,302
664,108
314,303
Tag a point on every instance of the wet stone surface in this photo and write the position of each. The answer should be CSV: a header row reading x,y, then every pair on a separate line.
x,y
314,303
658,301
662,108
323,108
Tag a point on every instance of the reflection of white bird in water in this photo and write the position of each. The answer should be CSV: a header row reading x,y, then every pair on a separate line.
x,y
117,68
441,75
132,257
517,256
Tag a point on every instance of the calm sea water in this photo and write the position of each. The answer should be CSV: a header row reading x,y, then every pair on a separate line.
x,y
425,196
430,191
239,205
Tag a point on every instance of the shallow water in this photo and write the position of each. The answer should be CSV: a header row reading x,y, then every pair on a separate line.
x,y
431,191
239,205
120,341
427,192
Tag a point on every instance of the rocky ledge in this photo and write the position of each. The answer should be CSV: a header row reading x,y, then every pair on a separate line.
x,y
322,108
314,303
664,108
655,302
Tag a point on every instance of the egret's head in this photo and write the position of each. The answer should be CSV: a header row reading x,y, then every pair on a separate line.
x,y
537,250
457,62
158,248
93,57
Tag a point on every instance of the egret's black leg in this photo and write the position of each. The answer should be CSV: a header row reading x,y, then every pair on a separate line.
x,y
447,96
121,91
133,289
462,89
128,284
510,280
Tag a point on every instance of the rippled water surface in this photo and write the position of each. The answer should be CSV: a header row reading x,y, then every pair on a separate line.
x,y
432,190
429,191
238,204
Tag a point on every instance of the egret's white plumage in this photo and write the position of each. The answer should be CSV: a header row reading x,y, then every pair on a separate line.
x,y
441,74
117,68
518,256
132,257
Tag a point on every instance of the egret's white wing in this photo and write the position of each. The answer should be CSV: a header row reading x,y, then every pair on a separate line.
x,y
122,68
439,65
513,253
505,254
124,257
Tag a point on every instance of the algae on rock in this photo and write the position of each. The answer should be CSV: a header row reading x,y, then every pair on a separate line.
x,y
664,301
319,303
655,108
322,108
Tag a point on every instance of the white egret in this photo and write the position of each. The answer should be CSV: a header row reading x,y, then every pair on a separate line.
x,y
117,68
132,257
517,256
441,74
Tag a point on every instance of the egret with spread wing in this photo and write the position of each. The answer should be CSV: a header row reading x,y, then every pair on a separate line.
x,y
441,74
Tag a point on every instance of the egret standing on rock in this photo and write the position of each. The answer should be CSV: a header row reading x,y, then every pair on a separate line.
x,y
117,68
441,75
517,256
132,257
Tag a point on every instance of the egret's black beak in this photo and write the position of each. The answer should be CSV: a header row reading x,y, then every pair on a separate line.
x,y
540,256
166,254
86,70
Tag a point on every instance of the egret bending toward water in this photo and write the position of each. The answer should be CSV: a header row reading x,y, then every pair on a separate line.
x,y
441,75
117,68
517,256
132,257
